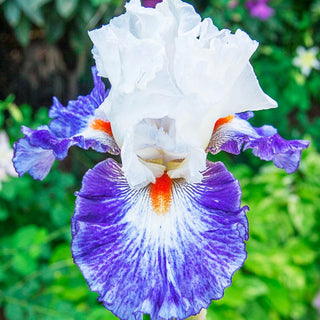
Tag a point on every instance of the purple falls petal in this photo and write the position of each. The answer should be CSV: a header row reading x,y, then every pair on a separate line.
x,y
35,160
284,154
167,266
42,137
265,143
73,122
72,119
70,126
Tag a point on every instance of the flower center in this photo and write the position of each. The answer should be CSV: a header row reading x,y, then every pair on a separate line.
x,y
308,59
155,147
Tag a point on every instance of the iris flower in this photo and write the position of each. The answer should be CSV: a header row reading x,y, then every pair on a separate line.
x,y
163,232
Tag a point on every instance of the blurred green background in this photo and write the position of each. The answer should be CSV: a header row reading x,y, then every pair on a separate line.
x,y
45,51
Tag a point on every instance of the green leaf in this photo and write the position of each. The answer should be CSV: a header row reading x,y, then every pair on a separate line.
x,y
66,8
23,238
264,260
3,213
223,313
32,315
86,12
32,238
8,190
13,312
61,252
32,10
244,288
293,277
54,28
23,264
30,289
303,215
15,112
4,103
256,311
74,292
301,253
12,12
279,297
64,307
97,3
60,214
99,313
22,31
3,276
2,118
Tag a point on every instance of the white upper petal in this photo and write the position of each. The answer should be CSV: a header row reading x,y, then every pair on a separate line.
x,y
165,62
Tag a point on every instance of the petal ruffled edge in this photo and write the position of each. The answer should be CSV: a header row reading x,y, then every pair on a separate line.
x,y
265,142
35,160
169,265
69,120
75,124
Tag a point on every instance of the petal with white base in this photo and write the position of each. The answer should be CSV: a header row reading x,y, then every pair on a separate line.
x,y
236,133
80,123
167,249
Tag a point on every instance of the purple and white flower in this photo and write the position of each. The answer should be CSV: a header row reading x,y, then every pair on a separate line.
x,y
80,124
163,232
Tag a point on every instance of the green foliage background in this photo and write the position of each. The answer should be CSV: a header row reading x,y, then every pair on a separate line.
x,y
281,276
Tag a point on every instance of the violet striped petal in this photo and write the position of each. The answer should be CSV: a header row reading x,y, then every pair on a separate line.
x,y
74,118
35,160
265,142
167,265
76,124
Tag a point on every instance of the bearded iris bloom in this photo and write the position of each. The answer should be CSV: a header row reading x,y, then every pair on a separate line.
x,y
163,232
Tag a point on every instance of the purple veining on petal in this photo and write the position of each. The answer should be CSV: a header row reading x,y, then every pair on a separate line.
x,y
245,115
43,138
265,143
35,160
284,154
65,130
166,266
72,119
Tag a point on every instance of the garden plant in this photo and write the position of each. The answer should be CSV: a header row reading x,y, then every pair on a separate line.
x,y
160,226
